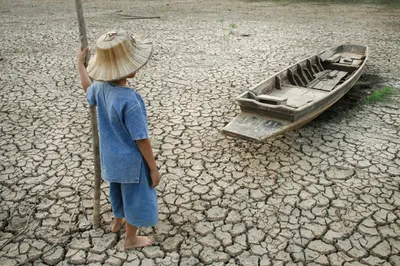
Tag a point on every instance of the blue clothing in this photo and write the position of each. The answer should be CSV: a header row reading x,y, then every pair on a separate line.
x,y
137,203
122,120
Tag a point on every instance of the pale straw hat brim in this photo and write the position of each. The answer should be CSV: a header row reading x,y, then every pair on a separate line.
x,y
118,56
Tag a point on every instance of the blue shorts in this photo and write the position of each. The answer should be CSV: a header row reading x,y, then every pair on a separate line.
x,y
136,202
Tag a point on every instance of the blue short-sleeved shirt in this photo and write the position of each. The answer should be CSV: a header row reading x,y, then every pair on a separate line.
x,y
122,120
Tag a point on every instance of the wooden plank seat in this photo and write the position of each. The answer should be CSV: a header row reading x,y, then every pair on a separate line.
x,y
334,58
327,81
269,99
348,62
297,97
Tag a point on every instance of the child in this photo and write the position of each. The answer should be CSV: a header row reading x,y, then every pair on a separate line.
x,y
126,155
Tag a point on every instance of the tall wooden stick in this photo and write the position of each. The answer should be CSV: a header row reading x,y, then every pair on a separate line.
x,y
93,119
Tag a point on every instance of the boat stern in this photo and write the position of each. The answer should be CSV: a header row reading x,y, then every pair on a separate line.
x,y
254,127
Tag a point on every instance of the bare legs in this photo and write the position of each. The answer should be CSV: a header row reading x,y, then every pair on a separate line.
x,y
132,240
126,199
117,224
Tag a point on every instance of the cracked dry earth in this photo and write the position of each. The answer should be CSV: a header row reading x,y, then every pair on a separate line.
x,y
326,194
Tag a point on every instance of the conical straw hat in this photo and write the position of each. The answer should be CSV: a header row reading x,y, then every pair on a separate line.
x,y
118,56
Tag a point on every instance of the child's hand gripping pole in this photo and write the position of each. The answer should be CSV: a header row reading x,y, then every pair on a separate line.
x,y
83,55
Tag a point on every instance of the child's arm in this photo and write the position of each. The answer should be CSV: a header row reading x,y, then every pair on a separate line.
x,y
147,152
85,80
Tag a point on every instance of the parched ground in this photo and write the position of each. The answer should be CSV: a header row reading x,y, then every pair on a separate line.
x,y
326,194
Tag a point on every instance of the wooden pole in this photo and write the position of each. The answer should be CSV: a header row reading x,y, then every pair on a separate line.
x,y
93,119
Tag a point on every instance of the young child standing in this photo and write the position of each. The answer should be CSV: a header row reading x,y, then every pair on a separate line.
x,y
126,155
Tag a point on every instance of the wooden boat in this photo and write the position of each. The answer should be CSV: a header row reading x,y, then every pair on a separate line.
x,y
298,94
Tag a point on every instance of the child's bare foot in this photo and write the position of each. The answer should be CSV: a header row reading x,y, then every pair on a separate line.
x,y
138,242
117,224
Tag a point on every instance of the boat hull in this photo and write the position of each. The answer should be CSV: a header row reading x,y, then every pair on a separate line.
x,y
258,125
